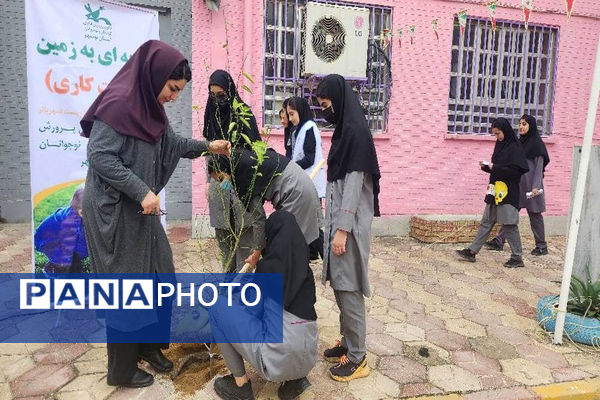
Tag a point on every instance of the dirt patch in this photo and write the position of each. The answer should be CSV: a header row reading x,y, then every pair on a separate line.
x,y
425,355
179,234
193,367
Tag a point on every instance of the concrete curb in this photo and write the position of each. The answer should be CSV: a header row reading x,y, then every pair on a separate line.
x,y
439,397
585,389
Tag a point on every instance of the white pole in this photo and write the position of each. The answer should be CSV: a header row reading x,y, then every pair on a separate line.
x,y
578,202
247,58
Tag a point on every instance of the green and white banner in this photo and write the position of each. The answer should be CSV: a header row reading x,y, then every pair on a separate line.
x,y
74,48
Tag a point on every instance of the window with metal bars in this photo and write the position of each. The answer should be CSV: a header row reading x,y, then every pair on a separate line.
x,y
284,29
506,73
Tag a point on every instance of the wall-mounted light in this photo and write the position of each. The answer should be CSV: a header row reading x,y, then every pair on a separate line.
x,y
213,5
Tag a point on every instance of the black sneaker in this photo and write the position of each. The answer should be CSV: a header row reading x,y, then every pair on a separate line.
x,y
290,390
539,252
514,262
346,370
494,245
333,354
466,254
227,389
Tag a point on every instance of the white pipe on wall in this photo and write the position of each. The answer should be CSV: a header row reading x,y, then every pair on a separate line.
x,y
247,58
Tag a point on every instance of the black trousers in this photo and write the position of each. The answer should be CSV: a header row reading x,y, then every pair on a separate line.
x,y
315,249
123,357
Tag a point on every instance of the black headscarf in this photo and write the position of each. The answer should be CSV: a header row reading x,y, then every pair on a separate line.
x,y
532,142
286,253
218,118
250,179
509,163
129,103
352,146
305,113
509,151
288,131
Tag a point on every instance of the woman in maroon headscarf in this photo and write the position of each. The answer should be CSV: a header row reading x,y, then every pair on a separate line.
x,y
132,152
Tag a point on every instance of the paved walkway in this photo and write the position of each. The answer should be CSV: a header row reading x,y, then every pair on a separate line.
x,y
477,322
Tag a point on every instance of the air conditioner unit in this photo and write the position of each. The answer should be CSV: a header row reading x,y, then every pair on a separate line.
x,y
336,40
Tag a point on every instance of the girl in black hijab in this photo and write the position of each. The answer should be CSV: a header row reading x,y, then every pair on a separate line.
x,y
533,183
256,177
233,227
307,152
248,177
306,149
225,106
351,202
502,199
303,148
291,361
288,129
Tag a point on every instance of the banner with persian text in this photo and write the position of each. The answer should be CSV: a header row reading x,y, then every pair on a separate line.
x,y
74,48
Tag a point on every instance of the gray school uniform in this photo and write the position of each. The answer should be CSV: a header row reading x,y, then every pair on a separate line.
x,y
294,358
293,191
535,206
508,217
224,208
122,170
506,214
533,179
349,206
221,204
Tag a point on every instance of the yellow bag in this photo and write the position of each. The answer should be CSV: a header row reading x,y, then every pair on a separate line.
x,y
501,191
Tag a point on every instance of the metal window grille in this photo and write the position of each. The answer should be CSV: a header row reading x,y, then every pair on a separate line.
x,y
505,73
284,29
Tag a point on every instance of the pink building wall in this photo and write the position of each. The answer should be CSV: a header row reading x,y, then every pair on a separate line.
x,y
424,169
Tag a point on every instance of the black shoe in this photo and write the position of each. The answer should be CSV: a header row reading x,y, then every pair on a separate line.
x,y
539,252
139,379
514,262
494,245
466,254
157,360
227,389
290,390
333,354
347,370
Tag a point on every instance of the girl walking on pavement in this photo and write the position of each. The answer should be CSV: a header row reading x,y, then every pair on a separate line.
x,y
531,182
502,199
